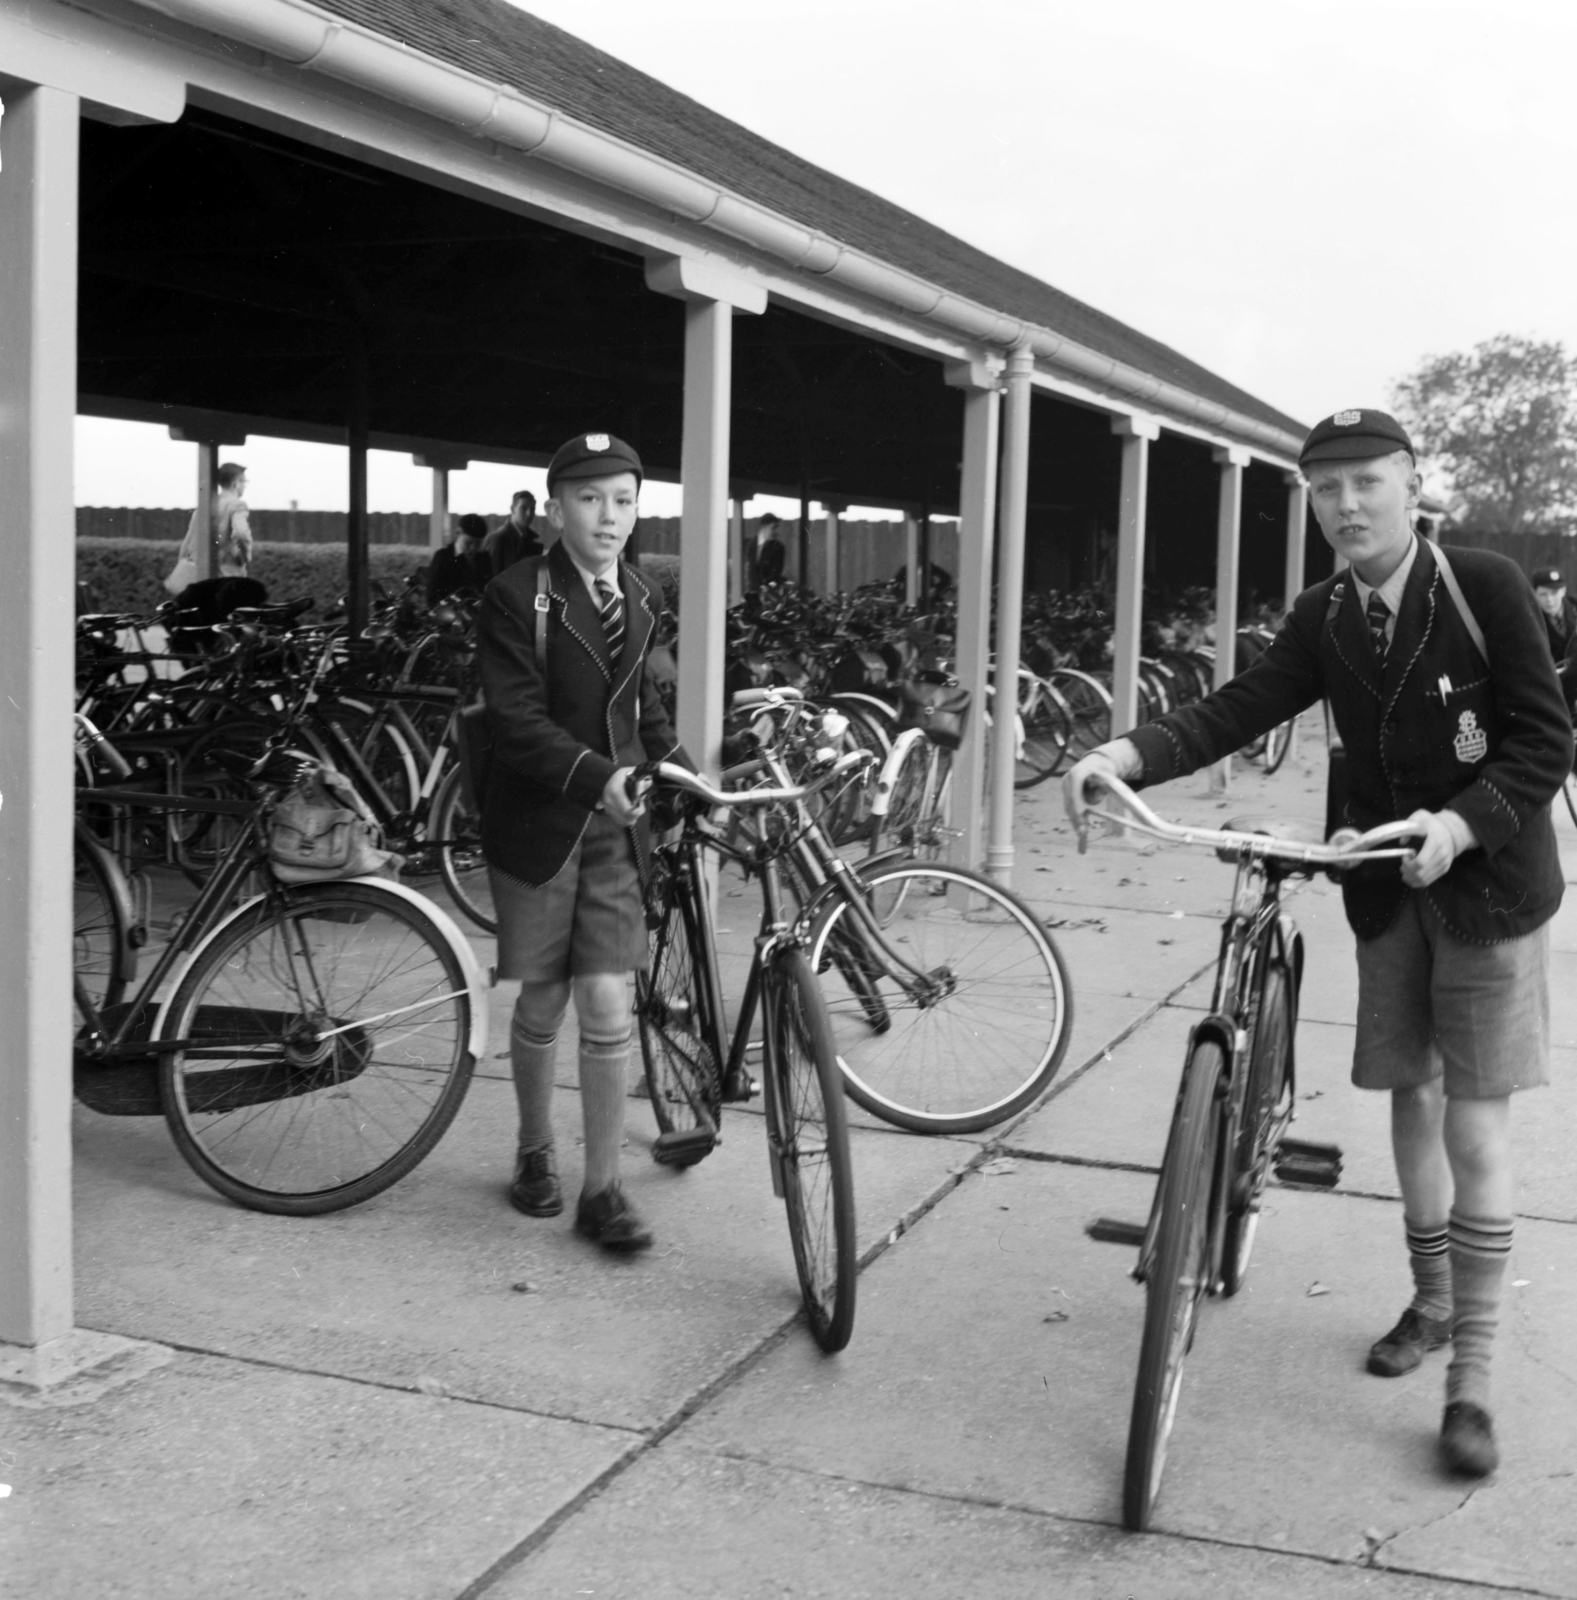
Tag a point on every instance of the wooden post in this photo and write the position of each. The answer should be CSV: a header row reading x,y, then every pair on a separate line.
x,y
911,560
1230,461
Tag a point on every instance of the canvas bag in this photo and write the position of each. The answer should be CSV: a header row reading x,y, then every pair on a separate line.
x,y
321,831
181,576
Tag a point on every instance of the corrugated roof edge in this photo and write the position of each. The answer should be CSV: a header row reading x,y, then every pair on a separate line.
x,y
335,38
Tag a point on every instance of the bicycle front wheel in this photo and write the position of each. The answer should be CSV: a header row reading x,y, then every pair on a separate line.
x,y
975,1006
456,828
808,1131
1177,1277
320,1048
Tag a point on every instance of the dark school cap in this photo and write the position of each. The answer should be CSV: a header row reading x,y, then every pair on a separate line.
x,y
592,455
1547,578
1355,436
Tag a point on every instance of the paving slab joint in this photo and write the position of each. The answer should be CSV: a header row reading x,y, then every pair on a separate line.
x,y
75,1370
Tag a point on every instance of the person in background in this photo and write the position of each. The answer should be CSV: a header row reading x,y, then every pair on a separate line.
x,y
226,522
1560,625
770,549
202,602
515,539
461,563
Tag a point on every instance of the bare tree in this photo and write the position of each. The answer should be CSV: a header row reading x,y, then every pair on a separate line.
x,y
1501,420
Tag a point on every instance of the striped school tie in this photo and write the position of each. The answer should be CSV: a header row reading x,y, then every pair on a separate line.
x,y
612,604
1378,613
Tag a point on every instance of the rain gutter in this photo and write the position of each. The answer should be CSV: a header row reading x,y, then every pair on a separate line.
x,y
306,37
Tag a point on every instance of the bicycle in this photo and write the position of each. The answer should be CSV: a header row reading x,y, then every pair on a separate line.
x,y
951,1007
1234,1105
307,1046
680,1017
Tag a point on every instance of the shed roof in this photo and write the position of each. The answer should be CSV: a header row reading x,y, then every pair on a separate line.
x,y
497,41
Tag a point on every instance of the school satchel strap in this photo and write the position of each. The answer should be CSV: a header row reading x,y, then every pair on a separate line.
x,y
542,617
1454,589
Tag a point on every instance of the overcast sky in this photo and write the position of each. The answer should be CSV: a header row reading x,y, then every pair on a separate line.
x,y
1307,198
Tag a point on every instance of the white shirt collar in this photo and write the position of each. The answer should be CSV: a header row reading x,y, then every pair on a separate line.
x,y
611,576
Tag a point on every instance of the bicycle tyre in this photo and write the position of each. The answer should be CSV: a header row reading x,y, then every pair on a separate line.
x,y
1048,731
809,1134
275,1116
1267,1108
978,1044
1090,702
1177,1277
456,827
1277,743
683,1076
907,785
103,956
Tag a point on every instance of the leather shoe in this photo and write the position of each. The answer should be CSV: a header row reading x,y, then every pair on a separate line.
x,y
535,1190
1467,1440
610,1220
1406,1345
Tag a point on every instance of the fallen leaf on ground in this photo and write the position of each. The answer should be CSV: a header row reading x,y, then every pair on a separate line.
x,y
1000,1167
1316,1289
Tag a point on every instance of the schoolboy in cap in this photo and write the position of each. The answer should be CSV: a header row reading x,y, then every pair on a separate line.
x,y
1453,950
1560,626
560,832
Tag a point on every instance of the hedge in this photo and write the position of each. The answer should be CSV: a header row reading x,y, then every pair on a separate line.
x,y
128,574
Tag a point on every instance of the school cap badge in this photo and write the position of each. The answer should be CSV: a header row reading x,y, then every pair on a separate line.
x,y
592,455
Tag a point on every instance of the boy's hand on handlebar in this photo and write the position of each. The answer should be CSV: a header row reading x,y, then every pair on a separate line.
x,y
624,796
1117,759
1446,834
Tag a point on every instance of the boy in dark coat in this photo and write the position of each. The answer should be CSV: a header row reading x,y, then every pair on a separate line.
x,y
1453,951
560,832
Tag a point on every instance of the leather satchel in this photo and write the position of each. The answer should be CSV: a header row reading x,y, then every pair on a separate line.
x,y
937,705
321,831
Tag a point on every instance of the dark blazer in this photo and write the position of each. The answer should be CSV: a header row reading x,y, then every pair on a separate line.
x,y
557,740
1435,729
506,545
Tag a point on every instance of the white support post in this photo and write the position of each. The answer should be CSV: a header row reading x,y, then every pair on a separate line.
x,y
1292,584
830,511
736,549
977,518
1136,433
438,519
38,401
1229,523
1010,612
911,560
711,295
207,484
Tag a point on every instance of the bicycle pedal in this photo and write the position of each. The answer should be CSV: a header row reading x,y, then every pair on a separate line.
x,y
1318,1166
683,1149
1111,1230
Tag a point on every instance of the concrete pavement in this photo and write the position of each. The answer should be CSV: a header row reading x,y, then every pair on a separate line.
x,y
430,1396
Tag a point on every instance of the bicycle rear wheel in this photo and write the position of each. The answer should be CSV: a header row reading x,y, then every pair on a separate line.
x,y
975,1005
1090,703
683,1076
456,828
1277,743
324,1046
1048,731
1177,1277
809,1134
102,953
1267,1109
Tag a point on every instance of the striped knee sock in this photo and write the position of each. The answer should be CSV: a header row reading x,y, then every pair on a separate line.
x,y
604,1070
1429,1257
1480,1248
531,1060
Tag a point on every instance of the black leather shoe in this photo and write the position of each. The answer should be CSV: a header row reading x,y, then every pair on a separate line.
x,y
1467,1440
536,1187
610,1220
1406,1345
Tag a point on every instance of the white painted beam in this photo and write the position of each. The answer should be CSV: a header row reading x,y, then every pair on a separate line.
x,y
38,384
911,560
1136,433
1229,527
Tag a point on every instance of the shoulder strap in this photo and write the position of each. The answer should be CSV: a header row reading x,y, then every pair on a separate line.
x,y
1336,601
1469,621
542,617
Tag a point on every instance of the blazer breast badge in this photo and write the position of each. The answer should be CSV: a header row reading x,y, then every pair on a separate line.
x,y
1471,743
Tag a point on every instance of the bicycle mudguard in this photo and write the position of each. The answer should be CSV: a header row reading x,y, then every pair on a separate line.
x,y
440,919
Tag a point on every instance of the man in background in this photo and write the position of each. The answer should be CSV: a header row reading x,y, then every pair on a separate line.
x,y
515,539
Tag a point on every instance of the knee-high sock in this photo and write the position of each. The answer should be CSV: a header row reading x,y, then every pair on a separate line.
x,y
1480,1249
531,1060
1429,1255
604,1070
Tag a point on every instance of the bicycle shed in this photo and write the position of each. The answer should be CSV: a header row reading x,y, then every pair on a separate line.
x,y
751,323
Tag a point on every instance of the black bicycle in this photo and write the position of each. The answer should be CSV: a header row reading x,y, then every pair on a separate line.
x,y
1234,1105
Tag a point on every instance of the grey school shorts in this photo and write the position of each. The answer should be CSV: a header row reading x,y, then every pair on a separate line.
x,y
1430,1003
588,918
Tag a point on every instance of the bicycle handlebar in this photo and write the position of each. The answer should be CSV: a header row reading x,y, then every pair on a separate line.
x,y
112,758
1345,848
692,783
